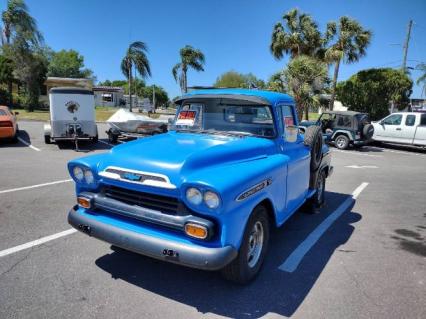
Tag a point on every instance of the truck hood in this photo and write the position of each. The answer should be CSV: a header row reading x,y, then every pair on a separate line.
x,y
177,154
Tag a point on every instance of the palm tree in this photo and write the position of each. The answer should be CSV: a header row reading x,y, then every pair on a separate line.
x,y
350,43
135,56
422,78
298,35
189,57
17,23
304,78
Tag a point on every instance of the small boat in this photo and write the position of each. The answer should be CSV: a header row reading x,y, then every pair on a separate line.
x,y
125,121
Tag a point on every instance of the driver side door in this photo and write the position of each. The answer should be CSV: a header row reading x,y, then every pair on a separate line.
x,y
388,129
298,160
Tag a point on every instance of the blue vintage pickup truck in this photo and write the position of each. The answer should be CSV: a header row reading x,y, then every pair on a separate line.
x,y
207,193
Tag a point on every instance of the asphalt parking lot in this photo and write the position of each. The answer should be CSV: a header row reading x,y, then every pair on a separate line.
x,y
363,256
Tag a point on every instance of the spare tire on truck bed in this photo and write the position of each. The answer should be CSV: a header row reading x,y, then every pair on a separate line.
x,y
313,139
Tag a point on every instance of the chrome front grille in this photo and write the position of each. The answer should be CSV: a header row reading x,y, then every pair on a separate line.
x,y
160,203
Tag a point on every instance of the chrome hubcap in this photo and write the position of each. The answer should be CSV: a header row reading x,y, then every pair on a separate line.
x,y
255,244
340,142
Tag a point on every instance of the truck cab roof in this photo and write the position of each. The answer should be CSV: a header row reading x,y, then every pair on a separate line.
x,y
70,90
254,96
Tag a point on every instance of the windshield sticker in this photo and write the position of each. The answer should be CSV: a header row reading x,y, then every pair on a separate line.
x,y
186,118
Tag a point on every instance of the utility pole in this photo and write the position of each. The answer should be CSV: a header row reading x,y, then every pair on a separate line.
x,y
153,97
407,40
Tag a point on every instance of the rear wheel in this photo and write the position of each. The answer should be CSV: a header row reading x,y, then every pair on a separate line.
x,y
47,139
315,202
341,142
253,249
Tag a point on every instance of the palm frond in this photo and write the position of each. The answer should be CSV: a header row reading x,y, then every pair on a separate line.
x,y
125,67
136,56
192,57
175,71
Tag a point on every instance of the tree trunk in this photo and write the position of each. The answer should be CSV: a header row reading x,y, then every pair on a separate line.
x,y
130,89
9,83
333,90
299,108
185,83
306,112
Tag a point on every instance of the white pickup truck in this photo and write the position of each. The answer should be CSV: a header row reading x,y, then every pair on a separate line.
x,y
402,128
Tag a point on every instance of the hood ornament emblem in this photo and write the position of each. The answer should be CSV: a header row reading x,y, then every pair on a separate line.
x,y
132,177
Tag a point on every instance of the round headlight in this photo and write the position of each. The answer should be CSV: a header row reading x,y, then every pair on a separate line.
x,y
194,196
88,176
78,173
211,199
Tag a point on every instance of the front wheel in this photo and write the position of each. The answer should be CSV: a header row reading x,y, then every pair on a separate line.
x,y
253,249
341,142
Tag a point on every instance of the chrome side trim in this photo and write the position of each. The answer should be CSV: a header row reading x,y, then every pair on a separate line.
x,y
148,182
254,189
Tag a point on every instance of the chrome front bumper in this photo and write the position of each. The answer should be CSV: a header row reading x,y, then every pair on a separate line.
x,y
190,255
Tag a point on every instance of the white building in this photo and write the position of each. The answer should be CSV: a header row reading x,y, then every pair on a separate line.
x,y
109,96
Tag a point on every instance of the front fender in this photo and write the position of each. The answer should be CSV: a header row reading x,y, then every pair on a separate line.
x,y
338,132
231,181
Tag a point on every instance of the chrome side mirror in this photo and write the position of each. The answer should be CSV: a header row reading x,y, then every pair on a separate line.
x,y
291,132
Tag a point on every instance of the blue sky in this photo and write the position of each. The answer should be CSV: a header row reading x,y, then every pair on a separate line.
x,y
233,34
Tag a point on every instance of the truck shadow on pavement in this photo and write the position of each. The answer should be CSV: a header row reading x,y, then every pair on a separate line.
x,y
273,290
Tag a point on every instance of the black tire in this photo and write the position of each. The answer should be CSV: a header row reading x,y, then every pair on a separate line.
x,y
367,131
112,138
15,137
95,139
47,139
243,269
341,142
315,202
313,139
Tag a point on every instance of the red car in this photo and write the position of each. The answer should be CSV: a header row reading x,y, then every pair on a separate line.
x,y
8,124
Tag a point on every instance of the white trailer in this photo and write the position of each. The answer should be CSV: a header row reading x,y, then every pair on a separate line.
x,y
72,115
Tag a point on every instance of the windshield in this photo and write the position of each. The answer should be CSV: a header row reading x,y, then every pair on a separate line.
x,y
225,117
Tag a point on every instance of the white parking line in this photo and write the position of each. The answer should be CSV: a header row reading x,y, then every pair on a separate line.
x,y
361,166
36,242
106,143
293,261
34,186
29,145
356,153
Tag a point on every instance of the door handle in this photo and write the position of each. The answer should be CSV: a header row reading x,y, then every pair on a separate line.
x,y
398,129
